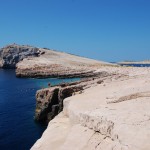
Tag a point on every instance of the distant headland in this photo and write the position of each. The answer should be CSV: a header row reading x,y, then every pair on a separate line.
x,y
31,61
108,108
135,62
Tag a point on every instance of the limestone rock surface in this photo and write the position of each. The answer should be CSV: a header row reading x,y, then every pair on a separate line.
x,y
12,54
113,115
49,101
36,62
57,64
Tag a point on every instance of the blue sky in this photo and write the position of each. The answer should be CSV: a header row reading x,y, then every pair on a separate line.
x,y
109,30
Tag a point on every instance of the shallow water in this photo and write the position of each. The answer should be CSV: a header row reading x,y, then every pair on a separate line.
x,y
18,130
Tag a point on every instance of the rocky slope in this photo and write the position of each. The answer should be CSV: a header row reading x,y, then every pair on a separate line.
x,y
57,64
113,115
49,101
41,62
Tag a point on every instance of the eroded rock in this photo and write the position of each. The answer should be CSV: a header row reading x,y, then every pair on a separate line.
x,y
49,101
12,54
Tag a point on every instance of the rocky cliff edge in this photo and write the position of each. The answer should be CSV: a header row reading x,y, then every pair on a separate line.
x,y
31,61
113,115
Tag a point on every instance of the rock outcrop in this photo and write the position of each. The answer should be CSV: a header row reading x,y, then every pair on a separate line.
x,y
113,115
12,54
57,64
49,101
42,62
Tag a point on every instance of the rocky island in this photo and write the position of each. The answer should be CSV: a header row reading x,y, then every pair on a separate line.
x,y
108,109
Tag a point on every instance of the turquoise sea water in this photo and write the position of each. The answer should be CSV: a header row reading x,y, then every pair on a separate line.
x,y
18,130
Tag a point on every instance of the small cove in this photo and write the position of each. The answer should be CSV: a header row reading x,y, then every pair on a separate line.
x,y
18,130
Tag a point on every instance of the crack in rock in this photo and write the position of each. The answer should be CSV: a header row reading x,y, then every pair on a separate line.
x,y
130,97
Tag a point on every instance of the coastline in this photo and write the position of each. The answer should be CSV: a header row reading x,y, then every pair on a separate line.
x,y
109,107
112,114
49,101
75,75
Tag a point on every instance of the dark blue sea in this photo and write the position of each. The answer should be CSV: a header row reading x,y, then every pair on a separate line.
x,y
136,65
18,130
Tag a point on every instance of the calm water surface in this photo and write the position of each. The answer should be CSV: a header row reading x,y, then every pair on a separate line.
x,y
137,65
18,131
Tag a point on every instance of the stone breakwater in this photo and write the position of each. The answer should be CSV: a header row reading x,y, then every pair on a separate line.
x,y
49,101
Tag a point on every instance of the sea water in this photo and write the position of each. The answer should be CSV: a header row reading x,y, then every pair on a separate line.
x,y
18,130
136,65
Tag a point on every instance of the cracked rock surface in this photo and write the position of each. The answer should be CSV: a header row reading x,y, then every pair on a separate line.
x,y
114,115
12,54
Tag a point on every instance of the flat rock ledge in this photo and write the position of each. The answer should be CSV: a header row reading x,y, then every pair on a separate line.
x,y
113,115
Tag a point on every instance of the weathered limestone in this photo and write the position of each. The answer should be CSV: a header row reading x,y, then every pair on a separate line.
x,y
113,115
12,54
57,64
49,101
59,129
41,62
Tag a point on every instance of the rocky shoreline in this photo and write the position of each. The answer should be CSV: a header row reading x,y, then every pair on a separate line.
x,y
108,107
33,62
113,114
49,101
50,74
12,54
